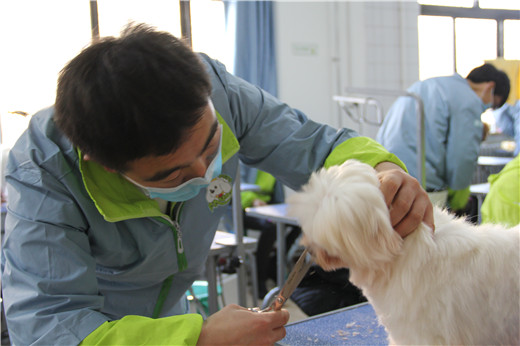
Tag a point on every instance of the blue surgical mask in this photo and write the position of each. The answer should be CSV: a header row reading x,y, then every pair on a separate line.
x,y
190,188
490,104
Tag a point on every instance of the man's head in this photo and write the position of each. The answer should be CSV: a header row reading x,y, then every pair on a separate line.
x,y
495,80
130,97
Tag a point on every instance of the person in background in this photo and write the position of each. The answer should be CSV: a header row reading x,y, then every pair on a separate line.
x,y
270,192
115,194
507,121
502,203
453,129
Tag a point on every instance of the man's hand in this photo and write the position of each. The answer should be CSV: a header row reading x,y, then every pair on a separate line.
x,y
407,201
258,203
235,325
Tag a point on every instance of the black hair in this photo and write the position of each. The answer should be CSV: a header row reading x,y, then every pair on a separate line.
x,y
132,96
489,73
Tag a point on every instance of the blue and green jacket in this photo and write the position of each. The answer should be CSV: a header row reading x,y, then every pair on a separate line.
x,y
88,258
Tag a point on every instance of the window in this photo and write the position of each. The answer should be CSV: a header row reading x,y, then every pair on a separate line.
x,y
479,31
452,3
511,37
499,4
208,30
436,53
34,49
39,37
475,42
115,14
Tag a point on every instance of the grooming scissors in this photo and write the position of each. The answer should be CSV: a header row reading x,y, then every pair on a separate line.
x,y
295,277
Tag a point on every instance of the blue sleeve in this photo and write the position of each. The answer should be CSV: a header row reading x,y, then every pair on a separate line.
x,y
48,274
463,146
274,137
515,114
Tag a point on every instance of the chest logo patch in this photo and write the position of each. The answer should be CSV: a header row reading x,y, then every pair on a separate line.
x,y
218,191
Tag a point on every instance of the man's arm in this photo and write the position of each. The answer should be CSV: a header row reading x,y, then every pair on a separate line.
x,y
293,146
462,147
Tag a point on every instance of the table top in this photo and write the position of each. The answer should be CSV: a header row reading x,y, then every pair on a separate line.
x,y
493,160
273,212
482,189
224,240
354,325
249,187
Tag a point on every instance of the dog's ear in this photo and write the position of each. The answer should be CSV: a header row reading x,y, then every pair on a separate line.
x,y
342,210
328,262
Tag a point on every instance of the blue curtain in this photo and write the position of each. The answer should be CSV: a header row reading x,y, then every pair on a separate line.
x,y
254,58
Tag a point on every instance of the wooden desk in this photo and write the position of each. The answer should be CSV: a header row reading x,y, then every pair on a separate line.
x,y
354,325
276,213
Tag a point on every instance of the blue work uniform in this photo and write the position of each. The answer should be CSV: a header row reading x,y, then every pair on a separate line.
x,y
507,120
87,256
452,129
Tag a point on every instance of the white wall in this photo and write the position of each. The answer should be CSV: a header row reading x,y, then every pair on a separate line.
x,y
323,48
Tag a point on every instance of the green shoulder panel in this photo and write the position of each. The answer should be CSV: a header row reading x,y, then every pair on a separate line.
x,y
230,143
139,330
363,149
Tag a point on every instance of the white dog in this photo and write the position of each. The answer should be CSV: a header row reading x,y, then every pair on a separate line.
x,y
457,285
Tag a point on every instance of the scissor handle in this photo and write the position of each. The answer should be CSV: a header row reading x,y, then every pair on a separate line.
x,y
275,305
257,309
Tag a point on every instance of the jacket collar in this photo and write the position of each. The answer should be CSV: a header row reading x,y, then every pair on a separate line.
x,y
117,199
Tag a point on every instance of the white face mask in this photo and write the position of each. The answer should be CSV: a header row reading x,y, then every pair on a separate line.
x,y
190,188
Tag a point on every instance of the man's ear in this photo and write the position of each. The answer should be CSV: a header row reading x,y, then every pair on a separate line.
x,y
492,85
86,157
487,95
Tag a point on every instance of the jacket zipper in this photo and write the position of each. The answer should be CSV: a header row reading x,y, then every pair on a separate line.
x,y
174,210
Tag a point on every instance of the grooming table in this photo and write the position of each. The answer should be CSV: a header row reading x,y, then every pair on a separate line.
x,y
354,325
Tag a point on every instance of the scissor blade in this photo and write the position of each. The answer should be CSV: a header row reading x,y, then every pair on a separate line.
x,y
295,277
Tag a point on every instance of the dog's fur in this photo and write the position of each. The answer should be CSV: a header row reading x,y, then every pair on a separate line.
x,y
457,285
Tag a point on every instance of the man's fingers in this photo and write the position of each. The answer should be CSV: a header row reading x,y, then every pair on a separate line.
x,y
400,209
279,318
428,217
389,187
279,333
420,211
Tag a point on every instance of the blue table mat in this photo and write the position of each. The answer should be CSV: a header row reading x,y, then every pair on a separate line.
x,y
354,325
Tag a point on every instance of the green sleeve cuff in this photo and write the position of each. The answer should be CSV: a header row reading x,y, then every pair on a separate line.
x,y
247,198
139,330
363,149
458,199
265,182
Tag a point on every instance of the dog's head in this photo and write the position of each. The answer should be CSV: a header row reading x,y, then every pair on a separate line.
x,y
344,218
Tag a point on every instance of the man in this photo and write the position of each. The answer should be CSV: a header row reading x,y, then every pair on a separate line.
x,y
453,130
114,195
507,120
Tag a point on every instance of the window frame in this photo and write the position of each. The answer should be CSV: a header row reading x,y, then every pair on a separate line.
x,y
185,20
499,15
